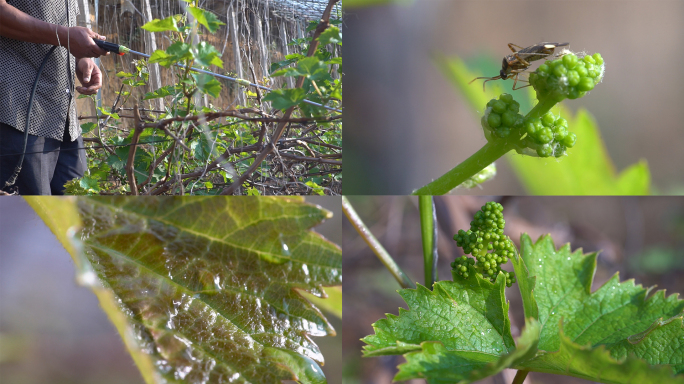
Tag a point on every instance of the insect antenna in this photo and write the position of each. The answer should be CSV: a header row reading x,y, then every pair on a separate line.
x,y
488,79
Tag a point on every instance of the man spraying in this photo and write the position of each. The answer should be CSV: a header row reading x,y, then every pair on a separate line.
x,y
53,150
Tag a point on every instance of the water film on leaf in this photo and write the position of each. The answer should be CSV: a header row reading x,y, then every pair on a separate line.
x,y
207,289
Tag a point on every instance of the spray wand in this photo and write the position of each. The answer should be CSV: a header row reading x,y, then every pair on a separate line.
x,y
122,50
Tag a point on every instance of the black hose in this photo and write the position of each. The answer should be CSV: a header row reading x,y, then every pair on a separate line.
x,y
17,169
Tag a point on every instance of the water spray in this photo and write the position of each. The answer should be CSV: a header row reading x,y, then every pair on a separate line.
x,y
122,50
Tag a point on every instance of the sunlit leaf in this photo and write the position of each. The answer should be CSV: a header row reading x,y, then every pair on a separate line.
x,y
206,18
163,92
332,304
332,35
156,25
207,55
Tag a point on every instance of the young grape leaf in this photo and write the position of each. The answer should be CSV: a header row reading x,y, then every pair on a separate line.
x,y
156,25
459,326
597,364
206,289
438,365
590,335
460,332
206,18
285,98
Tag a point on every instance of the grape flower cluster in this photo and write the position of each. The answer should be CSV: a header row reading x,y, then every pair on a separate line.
x,y
487,244
542,137
568,76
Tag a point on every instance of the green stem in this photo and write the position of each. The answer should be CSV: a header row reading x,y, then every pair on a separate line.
x,y
520,376
542,107
462,172
428,228
375,245
491,151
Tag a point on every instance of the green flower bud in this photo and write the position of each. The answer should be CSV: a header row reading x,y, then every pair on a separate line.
x,y
567,76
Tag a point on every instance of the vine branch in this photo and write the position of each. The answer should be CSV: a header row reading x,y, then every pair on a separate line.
x,y
325,22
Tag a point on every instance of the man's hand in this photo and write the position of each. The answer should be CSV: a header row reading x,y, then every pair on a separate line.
x,y
80,42
89,75
17,25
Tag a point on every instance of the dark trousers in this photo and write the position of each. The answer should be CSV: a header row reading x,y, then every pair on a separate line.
x,y
48,165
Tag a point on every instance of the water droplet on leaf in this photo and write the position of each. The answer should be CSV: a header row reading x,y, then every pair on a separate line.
x,y
285,248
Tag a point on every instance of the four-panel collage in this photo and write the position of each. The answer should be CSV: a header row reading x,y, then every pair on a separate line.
x,y
172,208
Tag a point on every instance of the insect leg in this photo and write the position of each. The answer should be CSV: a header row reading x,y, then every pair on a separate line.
x,y
517,56
511,45
516,82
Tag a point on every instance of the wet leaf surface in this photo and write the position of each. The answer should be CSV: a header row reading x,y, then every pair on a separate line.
x,y
460,332
209,287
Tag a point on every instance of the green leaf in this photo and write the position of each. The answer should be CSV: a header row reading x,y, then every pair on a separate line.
x,y
334,60
526,285
125,75
332,304
596,364
206,18
160,56
441,366
91,185
317,189
107,113
206,145
168,90
87,127
468,316
205,289
207,84
176,52
617,320
287,72
310,67
460,331
119,158
180,50
285,98
156,25
207,55
331,35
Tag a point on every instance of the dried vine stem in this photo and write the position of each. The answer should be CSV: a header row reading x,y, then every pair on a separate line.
x,y
322,26
131,153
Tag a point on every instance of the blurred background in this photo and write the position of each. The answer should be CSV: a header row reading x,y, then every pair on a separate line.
x,y
405,124
641,238
53,331
255,34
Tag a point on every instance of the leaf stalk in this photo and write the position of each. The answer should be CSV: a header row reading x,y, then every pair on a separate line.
x,y
520,376
428,227
375,245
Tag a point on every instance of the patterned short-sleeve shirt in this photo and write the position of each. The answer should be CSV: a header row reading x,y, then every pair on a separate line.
x,y
19,63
